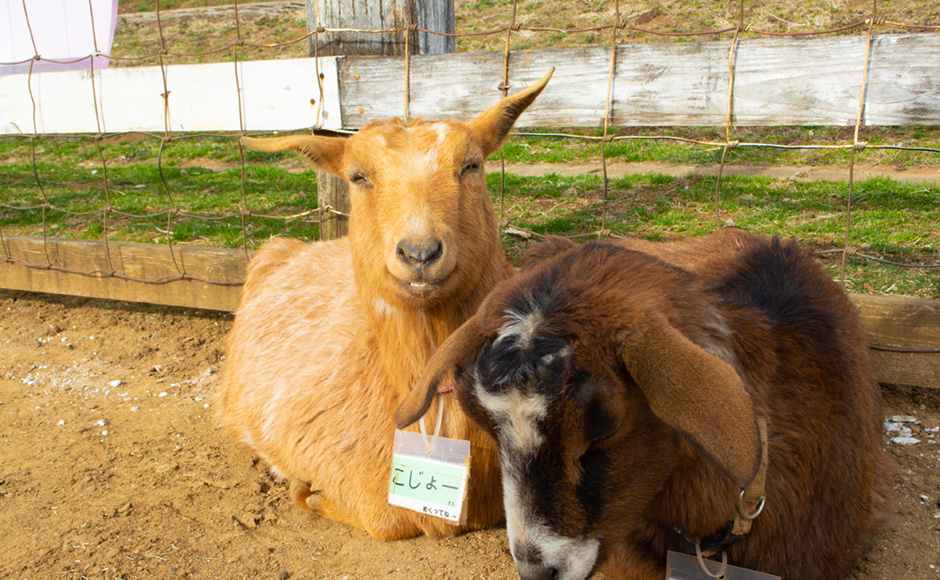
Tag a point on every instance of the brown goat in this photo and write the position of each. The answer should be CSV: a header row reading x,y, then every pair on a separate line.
x,y
626,386
330,336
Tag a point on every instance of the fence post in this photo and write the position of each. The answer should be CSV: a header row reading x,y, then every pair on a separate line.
x,y
437,15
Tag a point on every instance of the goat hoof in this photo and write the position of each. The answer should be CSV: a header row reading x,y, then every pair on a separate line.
x,y
305,498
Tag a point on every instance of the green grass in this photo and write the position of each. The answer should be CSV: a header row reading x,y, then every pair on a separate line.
x,y
163,193
891,220
643,144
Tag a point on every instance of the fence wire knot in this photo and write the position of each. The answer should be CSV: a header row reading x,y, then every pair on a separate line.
x,y
860,146
622,23
320,29
516,27
607,138
877,20
732,145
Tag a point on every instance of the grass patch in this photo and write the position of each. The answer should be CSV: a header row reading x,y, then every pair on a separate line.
x,y
189,204
891,220
642,144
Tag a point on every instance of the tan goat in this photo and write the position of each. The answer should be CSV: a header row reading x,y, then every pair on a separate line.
x,y
329,336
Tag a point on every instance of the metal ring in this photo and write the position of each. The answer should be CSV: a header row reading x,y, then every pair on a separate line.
x,y
741,507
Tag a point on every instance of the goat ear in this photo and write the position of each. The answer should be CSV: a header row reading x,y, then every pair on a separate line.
x,y
457,346
494,124
323,152
697,394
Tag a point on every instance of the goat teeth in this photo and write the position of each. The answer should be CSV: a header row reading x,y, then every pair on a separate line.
x,y
415,285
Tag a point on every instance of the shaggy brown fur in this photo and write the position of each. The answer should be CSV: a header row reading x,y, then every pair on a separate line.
x,y
643,368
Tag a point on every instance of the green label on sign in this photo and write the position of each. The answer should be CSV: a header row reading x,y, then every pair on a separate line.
x,y
429,475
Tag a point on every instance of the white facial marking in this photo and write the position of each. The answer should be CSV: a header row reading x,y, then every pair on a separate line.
x,y
523,326
517,414
442,130
425,162
417,225
548,358
574,558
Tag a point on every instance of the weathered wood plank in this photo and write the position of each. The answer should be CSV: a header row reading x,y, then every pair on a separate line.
x,y
352,15
910,369
812,81
275,95
905,323
140,261
900,321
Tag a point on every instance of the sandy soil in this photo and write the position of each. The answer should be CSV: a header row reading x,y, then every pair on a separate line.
x,y
113,466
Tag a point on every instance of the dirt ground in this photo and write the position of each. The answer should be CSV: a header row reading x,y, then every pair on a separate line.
x,y
113,466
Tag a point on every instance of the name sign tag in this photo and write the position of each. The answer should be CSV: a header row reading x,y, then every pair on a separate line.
x,y
686,567
429,475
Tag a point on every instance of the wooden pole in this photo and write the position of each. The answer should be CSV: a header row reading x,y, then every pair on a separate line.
x,y
357,15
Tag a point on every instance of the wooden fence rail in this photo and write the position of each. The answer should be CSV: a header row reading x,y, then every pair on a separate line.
x,y
783,81
891,322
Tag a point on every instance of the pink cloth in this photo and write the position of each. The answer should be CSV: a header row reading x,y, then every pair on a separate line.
x,y
61,30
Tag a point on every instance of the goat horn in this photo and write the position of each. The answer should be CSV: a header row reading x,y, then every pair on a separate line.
x,y
452,351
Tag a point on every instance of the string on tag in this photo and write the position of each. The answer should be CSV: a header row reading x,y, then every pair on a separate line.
x,y
722,570
428,445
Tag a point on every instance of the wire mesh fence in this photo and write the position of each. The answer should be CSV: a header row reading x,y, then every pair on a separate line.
x,y
175,187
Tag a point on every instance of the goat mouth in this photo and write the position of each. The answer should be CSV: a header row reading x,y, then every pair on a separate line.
x,y
419,289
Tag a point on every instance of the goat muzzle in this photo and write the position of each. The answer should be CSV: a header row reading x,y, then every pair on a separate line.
x,y
419,254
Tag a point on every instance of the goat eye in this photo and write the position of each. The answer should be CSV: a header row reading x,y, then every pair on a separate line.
x,y
360,180
469,167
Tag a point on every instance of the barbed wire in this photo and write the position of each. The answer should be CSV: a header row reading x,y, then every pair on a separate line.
x,y
108,213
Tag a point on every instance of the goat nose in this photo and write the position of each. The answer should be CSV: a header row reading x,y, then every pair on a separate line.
x,y
529,564
529,571
419,253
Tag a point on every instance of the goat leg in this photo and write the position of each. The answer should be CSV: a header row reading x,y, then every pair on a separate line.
x,y
300,492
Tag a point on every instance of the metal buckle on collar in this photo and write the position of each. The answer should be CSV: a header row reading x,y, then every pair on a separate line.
x,y
742,508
